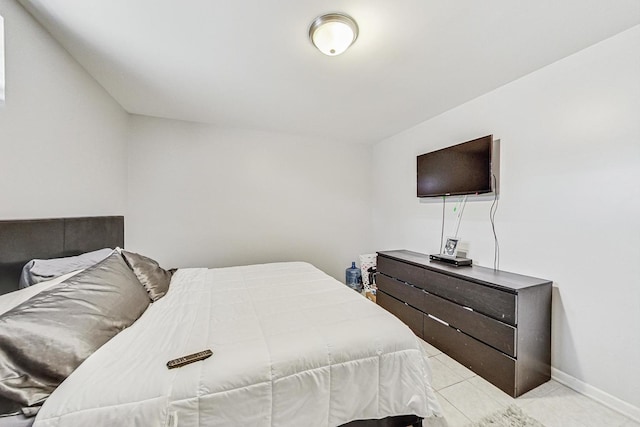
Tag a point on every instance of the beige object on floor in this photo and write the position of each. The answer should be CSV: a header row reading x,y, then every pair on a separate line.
x,y
512,416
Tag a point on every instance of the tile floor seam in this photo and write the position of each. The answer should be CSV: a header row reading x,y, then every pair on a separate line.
x,y
456,408
488,395
552,403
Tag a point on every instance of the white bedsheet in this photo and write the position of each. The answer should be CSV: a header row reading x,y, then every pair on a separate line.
x,y
291,347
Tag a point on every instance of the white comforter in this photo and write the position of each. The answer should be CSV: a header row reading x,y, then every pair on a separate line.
x,y
291,347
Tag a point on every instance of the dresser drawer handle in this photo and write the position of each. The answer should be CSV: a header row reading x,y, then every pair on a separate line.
x,y
438,320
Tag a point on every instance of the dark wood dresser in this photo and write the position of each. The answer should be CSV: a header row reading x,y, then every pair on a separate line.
x,y
497,324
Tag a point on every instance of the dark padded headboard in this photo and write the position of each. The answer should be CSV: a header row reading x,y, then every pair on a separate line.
x,y
24,240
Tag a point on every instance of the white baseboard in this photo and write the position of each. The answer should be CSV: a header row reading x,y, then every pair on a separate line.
x,y
596,394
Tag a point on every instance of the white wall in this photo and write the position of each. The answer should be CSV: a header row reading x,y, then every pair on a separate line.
x,y
569,207
205,196
62,137
1,60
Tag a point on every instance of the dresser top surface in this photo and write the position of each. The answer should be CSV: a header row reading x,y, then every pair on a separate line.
x,y
489,276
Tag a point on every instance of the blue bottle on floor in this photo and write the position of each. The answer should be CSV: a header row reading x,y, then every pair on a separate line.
x,y
353,277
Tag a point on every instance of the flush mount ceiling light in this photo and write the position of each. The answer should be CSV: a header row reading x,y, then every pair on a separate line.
x,y
333,33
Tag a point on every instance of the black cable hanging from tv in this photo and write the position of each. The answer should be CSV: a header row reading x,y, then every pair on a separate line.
x,y
492,217
444,201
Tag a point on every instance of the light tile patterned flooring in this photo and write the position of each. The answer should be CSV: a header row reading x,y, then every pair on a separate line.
x,y
465,398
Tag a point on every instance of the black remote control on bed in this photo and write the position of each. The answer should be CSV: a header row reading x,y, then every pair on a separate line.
x,y
181,361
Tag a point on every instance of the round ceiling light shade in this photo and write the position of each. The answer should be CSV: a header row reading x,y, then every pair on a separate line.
x,y
333,33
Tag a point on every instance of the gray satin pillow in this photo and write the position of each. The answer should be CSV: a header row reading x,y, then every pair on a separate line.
x,y
154,278
47,337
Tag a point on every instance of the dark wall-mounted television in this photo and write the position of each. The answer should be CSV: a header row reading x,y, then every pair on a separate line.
x,y
458,170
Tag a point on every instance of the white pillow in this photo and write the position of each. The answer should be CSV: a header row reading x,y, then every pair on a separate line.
x,y
40,270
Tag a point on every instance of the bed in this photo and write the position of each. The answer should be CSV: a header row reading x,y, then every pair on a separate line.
x,y
291,346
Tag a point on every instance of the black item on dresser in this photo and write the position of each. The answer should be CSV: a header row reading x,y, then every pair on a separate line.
x,y
497,324
457,261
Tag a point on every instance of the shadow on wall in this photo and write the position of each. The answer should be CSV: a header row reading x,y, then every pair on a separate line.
x,y
562,341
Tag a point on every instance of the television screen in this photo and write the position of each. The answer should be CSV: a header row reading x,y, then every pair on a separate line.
x,y
461,169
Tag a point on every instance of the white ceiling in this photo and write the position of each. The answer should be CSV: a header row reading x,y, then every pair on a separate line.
x,y
249,63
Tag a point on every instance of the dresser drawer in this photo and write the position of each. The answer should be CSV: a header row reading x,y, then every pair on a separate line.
x,y
409,315
496,367
400,270
486,329
493,302
402,291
